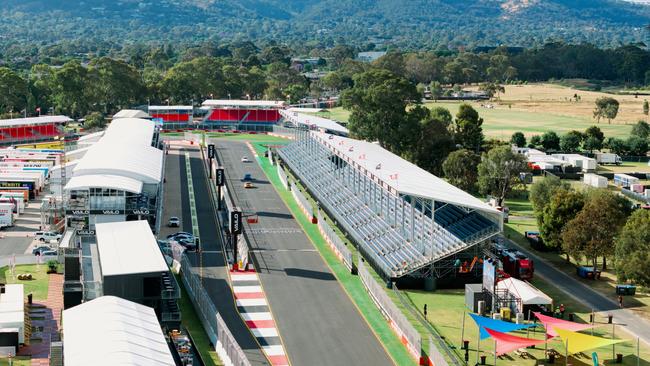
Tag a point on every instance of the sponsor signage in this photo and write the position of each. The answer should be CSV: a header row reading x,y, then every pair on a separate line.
x,y
211,151
86,232
235,222
220,177
108,212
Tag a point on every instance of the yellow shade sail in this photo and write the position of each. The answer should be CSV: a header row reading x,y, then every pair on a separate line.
x,y
578,342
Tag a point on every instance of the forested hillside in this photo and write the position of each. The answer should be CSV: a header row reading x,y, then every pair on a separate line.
x,y
407,24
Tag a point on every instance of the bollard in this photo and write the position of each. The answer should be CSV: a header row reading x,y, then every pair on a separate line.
x,y
551,358
571,315
465,345
29,299
609,318
466,355
591,318
483,359
619,358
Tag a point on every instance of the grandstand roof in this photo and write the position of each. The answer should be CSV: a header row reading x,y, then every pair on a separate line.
x,y
131,113
34,121
244,103
91,137
113,331
143,163
306,110
310,120
128,247
401,175
171,108
104,181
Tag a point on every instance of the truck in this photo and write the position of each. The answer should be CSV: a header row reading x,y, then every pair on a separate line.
x,y
608,158
6,215
515,263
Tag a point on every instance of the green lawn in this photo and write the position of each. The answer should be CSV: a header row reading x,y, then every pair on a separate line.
x,y
17,361
350,283
502,123
193,325
37,286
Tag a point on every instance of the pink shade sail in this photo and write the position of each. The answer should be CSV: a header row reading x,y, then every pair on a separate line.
x,y
508,343
550,322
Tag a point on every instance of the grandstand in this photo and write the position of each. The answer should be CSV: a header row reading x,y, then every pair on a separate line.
x,y
298,119
30,130
173,116
404,220
244,115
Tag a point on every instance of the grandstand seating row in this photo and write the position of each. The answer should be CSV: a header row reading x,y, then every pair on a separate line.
x,y
250,115
28,132
173,117
432,239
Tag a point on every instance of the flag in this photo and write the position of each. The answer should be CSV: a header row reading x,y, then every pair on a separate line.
x,y
38,109
362,156
378,166
393,176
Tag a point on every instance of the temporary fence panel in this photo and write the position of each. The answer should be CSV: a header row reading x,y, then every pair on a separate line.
x,y
435,357
302,201
409,336
225,344
335,242
283,177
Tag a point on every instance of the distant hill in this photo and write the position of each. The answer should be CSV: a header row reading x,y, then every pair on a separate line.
x,y
403,23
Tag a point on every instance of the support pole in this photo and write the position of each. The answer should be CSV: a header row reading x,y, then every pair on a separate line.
x,y
478,345
638,351
566,353
614,344
495,352
462,331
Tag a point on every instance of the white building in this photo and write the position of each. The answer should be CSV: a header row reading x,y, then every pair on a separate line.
x,y
12,311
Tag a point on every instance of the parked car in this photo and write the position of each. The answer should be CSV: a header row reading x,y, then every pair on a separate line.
x,y
244,159
248,185
46,236
188,244
174,222
49,253
180,233
248,176
40,249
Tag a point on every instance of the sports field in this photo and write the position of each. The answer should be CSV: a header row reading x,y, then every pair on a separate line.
x,y
537,108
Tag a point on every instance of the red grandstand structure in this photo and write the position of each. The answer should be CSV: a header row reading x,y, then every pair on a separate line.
x,y
33,129
172,116
242,115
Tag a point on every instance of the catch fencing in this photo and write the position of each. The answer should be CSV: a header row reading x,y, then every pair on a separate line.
x,y
409,336
435,357
335,242
225,344
283,177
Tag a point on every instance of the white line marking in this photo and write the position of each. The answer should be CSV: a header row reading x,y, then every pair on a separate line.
x,y
264,332
246,289
244,277
251,302
257,316
273,350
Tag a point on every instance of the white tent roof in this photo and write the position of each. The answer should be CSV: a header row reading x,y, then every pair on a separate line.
x,y
131,113
113,331
528,294
128,247
310,120
143,163
170,108
399,174
104,181
244,103
34,121
130,131
91,137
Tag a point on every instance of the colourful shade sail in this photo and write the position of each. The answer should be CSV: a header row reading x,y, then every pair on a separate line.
x,y
508,343
578,342
549,322
498,325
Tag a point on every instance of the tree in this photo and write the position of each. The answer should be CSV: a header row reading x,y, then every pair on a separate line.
x,y
461,169
641,129
499,172
393,62
384,107
435,142
94,120
564,205
637,146
535,141
606,107
550,141
594,139
70,90
115,83
617,145
13,91
468,130
491,89
194,80
340,53
543,190
646,107
633,249
571,141
518,139
591,233
436,90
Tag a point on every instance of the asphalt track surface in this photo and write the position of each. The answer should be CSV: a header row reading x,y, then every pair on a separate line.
x,y
318,322
210,265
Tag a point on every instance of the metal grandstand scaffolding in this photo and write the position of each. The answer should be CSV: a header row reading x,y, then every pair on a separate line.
x,y
399,229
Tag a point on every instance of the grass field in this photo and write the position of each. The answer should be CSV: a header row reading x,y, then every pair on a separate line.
x,y
37,286
537,108
17,361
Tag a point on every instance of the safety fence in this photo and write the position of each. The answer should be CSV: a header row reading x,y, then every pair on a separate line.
x,y
226,346
304,204
283,177
335,242
409,336
635,195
